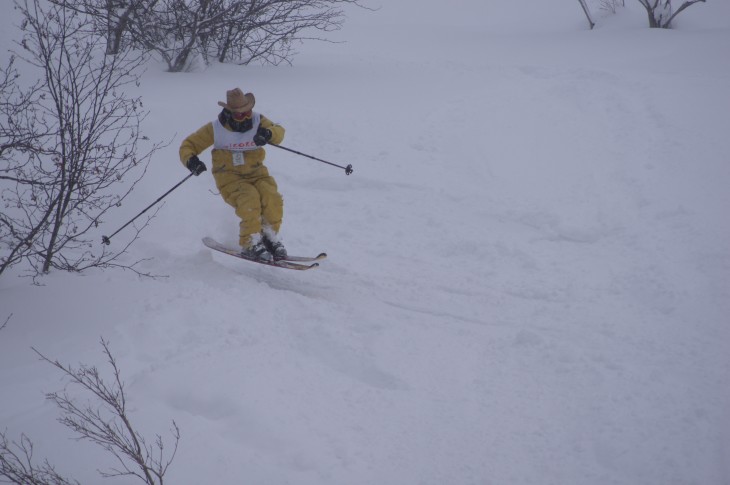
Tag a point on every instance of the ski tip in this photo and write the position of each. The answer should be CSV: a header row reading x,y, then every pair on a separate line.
x,y
290,265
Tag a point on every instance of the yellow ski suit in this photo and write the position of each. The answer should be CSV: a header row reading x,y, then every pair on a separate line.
x,y
244,184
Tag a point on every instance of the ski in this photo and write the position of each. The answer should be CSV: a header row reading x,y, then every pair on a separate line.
x,y
286,264
306,259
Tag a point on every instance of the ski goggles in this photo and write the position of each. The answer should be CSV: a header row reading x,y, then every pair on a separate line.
x,y
240,115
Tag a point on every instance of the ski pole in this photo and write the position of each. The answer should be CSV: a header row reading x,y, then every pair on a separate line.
x,y
107,239
348,169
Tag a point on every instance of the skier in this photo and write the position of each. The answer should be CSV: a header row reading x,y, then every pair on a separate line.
x,y
238,136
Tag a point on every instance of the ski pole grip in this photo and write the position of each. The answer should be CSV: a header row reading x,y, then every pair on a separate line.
x,y
348,169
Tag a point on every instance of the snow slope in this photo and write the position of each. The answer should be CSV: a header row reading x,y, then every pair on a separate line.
x,y
529,274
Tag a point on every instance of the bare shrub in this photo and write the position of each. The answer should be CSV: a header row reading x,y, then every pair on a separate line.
x,y
104,421
73,147
237,31
661,13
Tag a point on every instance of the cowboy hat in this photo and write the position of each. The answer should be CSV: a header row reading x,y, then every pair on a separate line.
x,y
238,102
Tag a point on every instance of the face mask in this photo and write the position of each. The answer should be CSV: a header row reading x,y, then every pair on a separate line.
x,y
226,118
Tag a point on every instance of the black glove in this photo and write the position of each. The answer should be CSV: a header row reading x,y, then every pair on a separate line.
x,y
262,137
195,166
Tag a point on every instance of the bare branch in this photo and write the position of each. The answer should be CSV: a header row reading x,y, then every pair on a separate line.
x,y
587,12
16,465
108,424
686,4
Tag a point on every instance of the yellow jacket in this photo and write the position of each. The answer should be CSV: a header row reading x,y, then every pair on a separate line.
x,y
223,169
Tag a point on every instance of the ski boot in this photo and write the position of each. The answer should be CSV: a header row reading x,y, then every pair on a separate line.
x,y
257,249
274,245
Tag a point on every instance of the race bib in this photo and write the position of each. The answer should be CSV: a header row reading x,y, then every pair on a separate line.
x,y
237,158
